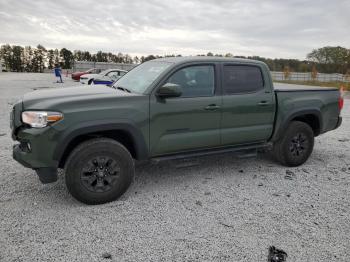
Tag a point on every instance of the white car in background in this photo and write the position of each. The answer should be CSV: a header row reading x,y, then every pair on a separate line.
x,y
108,75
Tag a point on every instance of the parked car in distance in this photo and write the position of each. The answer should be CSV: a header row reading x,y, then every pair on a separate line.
x,y
108,74
103,82
76,75
165,109
110,78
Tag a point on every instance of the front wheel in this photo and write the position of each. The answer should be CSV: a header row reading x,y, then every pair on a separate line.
x,y
295,147
99,171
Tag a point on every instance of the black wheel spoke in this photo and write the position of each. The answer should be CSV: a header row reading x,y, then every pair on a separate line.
x,y
298,145
109,162
89,179
109,179
99,183
95,163
114,171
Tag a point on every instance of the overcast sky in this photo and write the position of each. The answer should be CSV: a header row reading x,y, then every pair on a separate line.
x,y
288,29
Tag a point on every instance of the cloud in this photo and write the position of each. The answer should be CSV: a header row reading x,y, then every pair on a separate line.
x,y
269,28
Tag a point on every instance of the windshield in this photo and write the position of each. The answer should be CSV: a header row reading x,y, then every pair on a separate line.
x,y
141,77
104,72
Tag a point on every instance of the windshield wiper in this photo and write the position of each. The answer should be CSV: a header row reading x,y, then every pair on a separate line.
x,y
123,89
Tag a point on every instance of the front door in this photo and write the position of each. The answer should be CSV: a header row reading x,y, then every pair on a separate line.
x,y
191,121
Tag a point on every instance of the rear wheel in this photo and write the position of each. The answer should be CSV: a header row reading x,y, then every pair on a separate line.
x,y
99,171
295,147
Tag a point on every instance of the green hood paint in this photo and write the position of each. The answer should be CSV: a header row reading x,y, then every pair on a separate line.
x,y
51,98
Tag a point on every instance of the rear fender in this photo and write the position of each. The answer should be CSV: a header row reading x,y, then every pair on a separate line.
x,y
281,128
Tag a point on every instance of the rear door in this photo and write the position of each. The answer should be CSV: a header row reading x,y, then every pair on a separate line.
x,y
248,105
189,122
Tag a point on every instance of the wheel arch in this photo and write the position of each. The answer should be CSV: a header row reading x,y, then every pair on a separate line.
x,y
125,133
312,117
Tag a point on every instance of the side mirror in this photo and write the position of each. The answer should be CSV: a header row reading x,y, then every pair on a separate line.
x,y
169,90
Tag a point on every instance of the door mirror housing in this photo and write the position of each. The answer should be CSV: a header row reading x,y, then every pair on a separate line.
x,y
169,90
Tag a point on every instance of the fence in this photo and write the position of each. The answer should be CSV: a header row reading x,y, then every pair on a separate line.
x,y
277,76
321,77
84,65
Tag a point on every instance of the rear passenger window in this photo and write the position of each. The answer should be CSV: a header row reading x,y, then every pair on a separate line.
x,y
242,79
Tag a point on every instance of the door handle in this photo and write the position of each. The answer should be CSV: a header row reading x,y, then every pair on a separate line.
x,y
211,107
263,103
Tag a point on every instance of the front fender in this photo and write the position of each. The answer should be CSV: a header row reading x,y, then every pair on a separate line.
x,y
67,136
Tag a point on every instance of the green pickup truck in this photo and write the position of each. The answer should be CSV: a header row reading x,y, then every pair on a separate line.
x,y
166,109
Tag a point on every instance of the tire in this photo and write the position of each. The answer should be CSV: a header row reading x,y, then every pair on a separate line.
x,y
98,171
295,147
90,81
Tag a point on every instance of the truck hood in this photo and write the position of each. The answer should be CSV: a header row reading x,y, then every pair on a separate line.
x,y
50,98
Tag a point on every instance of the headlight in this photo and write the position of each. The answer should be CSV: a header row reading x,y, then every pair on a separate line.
x,y
40,118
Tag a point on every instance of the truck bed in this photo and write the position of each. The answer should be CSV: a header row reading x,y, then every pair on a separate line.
x,y
312,100
282,87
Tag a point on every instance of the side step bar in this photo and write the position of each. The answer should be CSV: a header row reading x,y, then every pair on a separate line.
x,y
241,151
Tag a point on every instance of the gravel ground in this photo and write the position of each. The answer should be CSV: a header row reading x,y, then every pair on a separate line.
x,y
220,208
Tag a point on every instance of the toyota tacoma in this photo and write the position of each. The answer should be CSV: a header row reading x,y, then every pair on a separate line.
x,y
165,109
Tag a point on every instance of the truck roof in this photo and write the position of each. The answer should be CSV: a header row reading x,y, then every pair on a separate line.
x,y
185,59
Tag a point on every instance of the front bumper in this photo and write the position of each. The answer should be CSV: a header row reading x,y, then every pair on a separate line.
x,y
83,80
19,155
45,168
36,147
46,174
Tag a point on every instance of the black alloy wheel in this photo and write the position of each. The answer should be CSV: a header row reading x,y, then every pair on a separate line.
x,y
99,170
100,174
295,145
299,145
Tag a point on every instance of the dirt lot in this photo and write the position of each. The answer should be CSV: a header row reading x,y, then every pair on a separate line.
x,y
218,208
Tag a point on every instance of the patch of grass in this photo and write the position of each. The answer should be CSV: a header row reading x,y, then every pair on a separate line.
x,y
316,83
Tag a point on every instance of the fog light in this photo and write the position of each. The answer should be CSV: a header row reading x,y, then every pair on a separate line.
x,y
25,146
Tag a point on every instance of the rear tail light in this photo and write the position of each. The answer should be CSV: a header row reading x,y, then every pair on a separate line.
x,y
341,103
341,98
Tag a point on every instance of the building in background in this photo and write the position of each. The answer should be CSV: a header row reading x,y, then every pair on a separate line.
x,y
84,66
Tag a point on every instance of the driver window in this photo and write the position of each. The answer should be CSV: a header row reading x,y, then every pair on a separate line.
x,y
195,80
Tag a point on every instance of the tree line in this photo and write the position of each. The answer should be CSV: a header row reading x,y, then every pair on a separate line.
x,y
35,59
